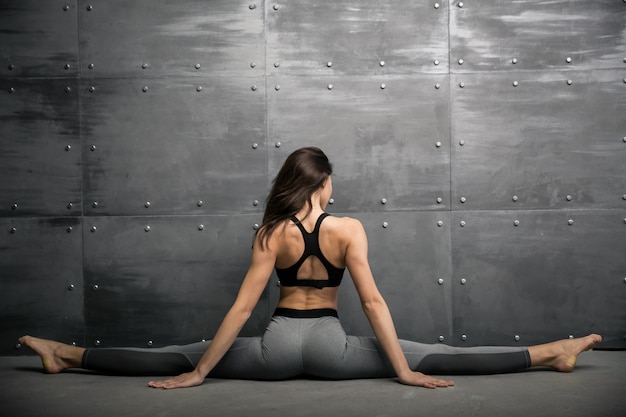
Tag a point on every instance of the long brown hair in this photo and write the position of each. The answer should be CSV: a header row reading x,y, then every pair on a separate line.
x,y
302,174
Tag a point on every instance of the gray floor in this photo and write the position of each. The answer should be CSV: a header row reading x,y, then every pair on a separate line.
x,y
596,388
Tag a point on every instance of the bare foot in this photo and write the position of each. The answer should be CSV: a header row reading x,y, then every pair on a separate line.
x,y
55,356
561,355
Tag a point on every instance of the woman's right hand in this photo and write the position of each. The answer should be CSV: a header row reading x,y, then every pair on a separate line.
x,y
186,380
420,380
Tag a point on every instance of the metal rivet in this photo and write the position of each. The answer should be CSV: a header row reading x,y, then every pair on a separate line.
x,y
329,64
438,144
12,90
330,86
514,60
254,87
149,343
68,148
515,83
437,86
89,8
276,64
90,66
439,223
516,222
93,148
463,281
256,226
436,7
463,199
383,201
94,204
277,87
436,62
92,89
624,197
462,85
97,343
382,63
66,8
70,205
569,82
461,4
276,7
69,229
571,336
440,281
515,198
255,203
439,200
568,60
461,61
516,338
462,142
568,198
252,6
255,145
277,144
570,222
199,88
624,280
145,89
70,287
463,337
93,229
331,201
383,86
200,203
144,65
200,227
67,66
441,338
95,287
147,228
147,204
198,66
68,89
385,225
14,206
462,223
624,140
13,230
253,65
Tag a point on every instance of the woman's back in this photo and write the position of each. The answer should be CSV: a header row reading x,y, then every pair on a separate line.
x,y
289,243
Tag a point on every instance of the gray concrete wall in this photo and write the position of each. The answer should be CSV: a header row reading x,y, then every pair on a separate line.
x,y
481,143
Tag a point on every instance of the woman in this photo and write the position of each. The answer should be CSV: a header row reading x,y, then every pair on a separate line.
x,y
309,251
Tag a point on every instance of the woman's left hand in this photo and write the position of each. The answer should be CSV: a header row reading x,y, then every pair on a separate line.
x,y
189,379
421,380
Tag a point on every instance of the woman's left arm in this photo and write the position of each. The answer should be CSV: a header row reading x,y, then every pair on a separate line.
x,y
254,283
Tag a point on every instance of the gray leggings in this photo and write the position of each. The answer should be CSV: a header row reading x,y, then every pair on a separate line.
x,y
314,347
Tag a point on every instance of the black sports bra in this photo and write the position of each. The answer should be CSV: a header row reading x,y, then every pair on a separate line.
x,y
288,277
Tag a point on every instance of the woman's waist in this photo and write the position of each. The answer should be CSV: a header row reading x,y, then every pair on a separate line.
x,y
309,313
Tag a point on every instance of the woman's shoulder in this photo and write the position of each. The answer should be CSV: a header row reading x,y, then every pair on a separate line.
x,y
345,224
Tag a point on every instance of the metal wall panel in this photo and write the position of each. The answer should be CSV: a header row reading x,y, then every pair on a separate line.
x,y
554,274
410,258
496,35
39,148
357,37
41,280
38,38
182,145
167,280
540,144
143,38
389,136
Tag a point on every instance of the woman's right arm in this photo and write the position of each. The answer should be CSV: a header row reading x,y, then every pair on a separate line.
x,y
377,311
